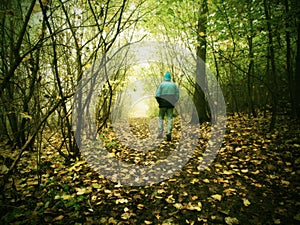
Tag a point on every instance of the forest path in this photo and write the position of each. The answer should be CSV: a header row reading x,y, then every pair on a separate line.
x,y
254,179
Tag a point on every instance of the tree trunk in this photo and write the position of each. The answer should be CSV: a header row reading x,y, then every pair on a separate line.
x,y
288,58
201,114
251,68
297,76
271,56
66,123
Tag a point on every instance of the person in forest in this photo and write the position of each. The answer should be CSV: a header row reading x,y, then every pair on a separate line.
x,y
167,94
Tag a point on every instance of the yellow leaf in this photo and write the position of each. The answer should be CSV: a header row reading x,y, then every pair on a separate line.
x,y
231,220
195,180
178,205
185,193
256,172
126,216
66,197
218,165
106,28
244,171
206,180
170,199
121,201
160,191
56,197
83,191
229,191
217,197
195,197
111,154
58,218
112,220
96,186
246,202
196,207
78,163
258,185
140,206
202,34
117,194
227,172
40,204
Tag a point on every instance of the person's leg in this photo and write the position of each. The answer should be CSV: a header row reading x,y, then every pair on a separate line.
x,y
170,120
161,115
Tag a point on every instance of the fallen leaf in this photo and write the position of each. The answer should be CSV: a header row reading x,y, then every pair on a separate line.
x,y
170,199
229,191
140,206
126,215
195,180
40,204
112,220
121,201
202,34
58,218
246,202
217,197
96,186
197,207
227,172
83,191
66,197
195,197
111,155
160,191
238,149
178,205
244,170
231,220
206,180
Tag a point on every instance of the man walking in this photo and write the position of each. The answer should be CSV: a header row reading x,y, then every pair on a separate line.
x,y
167,94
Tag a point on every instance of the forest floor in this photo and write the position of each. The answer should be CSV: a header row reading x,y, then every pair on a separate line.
x,y
254,179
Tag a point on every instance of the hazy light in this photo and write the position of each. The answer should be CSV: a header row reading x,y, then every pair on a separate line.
x,y
140,109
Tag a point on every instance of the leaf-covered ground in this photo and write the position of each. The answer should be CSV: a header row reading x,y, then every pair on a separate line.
x,y
253,180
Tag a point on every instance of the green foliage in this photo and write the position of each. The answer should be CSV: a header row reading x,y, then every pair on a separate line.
x,y
230,27
112,144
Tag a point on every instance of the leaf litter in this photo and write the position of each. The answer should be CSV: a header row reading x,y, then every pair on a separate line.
x,y
253,180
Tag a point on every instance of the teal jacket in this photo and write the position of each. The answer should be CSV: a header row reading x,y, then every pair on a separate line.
x,y
167,94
